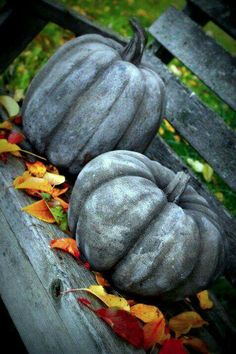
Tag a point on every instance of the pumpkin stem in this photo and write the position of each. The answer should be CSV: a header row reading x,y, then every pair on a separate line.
x,y
176,187
133,51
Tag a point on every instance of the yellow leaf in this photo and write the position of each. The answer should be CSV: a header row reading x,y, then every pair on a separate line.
x,y
108,299
169,127
36,169
100,280
196,343
41,211
177,138
142,12
196,165
10,105
207,172
204,300
6,125
146,313
161,131
219,196
5,146
37,183
54,179
182,323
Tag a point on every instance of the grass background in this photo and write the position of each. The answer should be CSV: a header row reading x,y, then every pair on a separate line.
x,y
115,15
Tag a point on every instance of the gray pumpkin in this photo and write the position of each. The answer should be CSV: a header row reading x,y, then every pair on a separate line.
x,y
93,96
144,223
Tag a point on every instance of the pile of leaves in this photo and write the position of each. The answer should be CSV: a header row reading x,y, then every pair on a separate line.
x,y
143,326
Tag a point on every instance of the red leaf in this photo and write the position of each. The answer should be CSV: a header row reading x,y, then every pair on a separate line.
x,y
123,324
173,346
18,120
4,157
84,301
15,137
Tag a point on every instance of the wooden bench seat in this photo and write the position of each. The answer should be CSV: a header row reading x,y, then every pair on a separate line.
x,y
32,274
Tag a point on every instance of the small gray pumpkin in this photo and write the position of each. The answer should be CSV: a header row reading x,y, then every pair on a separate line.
x,y
93,96
144,223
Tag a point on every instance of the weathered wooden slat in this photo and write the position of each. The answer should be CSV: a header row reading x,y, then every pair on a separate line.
x,y
218,11
205,131
17,30
160,151
199,52
32,276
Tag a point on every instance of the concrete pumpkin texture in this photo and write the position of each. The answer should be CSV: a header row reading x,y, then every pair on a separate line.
x,y
144,223
93,96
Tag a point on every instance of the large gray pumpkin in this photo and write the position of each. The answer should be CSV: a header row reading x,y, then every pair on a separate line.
x,y
146,225
93,96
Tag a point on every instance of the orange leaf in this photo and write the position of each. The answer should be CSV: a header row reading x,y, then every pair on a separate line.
x,y
173,346
146,313
66,244
37,183
182,323
108,299
56,191
6,125
40,210
154,332
204,300
196,343
36,169
100,280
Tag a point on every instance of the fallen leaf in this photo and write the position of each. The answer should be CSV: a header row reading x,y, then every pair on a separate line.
x,y
54,179
173,346
154,332
204,300
40,211
10,105
182,323
5,146
219,196
64,204
36,169
168,126
17,120
101,280
37,183
108,299
66,244
6,125
124,324
15,137
196,343
161,131
207,172
196,165
59,215
56,191
146,313
52,169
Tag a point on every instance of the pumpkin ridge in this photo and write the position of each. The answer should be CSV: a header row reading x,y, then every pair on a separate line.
x,y
159,263
49,132
100,123
136,111
154,209
199,208
94,81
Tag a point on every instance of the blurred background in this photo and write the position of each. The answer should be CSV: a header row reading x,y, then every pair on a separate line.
x,y
115,14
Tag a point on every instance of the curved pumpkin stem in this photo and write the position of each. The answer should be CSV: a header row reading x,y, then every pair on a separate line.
x,y
176,187
133,51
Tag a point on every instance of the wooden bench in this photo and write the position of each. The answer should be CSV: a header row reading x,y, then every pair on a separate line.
x,y
32,276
